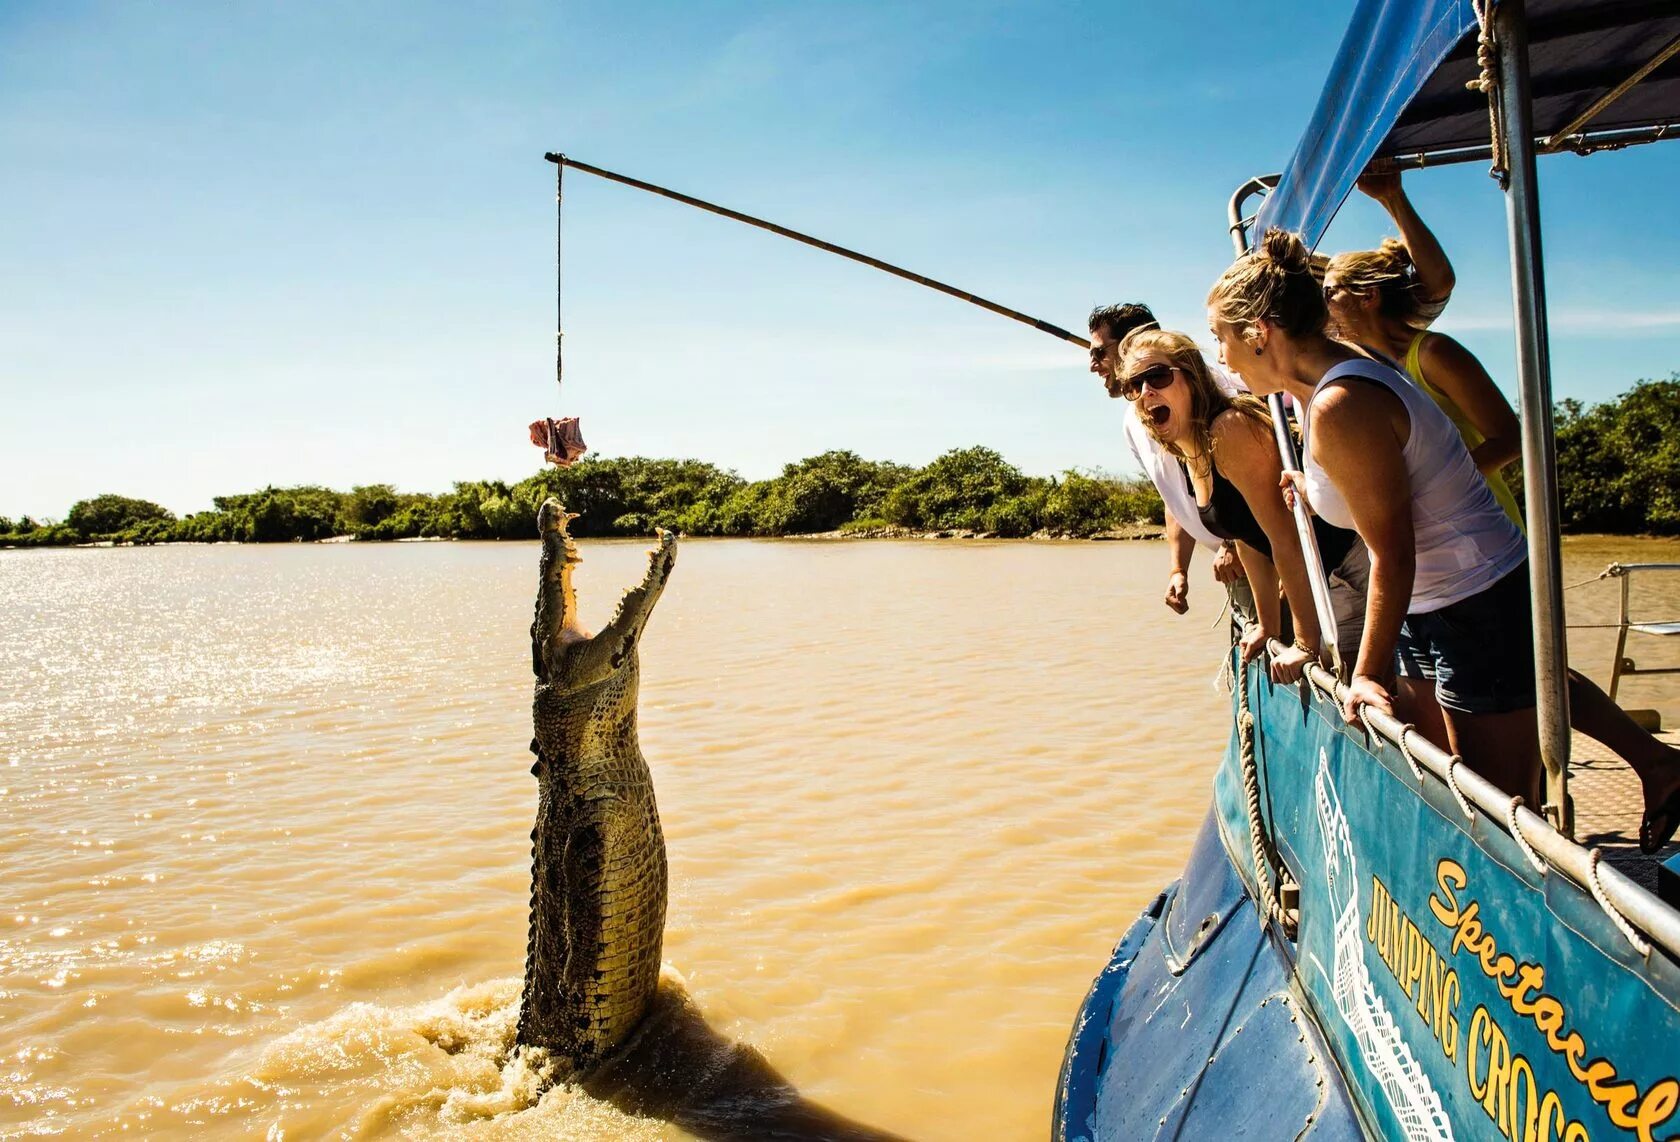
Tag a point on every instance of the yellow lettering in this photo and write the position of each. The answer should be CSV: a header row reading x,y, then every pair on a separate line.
x,y
1499,1073
1551,1109
1377,894
1659,1102
1523,1091
1480,1024
1469,933
1414,959
1449,875
1446,1015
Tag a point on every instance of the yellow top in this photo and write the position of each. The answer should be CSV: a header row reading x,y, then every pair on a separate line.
x,y
1471,434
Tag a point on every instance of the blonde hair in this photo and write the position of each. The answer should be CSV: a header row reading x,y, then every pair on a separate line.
x,y
1207,399
1274,282
1387,271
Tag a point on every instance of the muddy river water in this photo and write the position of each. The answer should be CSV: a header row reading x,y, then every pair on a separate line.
x,y
264,817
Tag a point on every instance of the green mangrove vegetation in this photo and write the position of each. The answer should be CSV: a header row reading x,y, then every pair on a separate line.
x,y
1618,471
967,489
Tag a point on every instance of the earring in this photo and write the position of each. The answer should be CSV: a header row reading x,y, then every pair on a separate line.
x,y
1258,350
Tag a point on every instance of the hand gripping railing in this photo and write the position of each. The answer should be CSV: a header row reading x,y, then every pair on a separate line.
x,y
1640,916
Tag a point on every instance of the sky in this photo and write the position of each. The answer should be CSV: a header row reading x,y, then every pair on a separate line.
x,y
255,244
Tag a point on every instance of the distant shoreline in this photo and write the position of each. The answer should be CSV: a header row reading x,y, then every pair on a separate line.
x,y
1130,533
1133,533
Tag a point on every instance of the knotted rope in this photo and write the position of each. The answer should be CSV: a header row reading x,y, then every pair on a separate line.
x,y
1259,840
1487,82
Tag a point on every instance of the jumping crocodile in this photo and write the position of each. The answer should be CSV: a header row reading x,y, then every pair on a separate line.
x,y
598,877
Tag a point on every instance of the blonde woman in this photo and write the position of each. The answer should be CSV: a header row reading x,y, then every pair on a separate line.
x,y
1226,457
1448,579
1375,298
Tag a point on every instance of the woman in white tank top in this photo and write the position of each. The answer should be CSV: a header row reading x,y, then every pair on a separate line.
x,y
1448,578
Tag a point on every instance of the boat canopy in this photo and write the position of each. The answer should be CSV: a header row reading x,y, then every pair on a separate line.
x,y
1400,89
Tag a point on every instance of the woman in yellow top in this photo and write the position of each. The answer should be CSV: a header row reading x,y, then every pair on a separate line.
x,y
1375,300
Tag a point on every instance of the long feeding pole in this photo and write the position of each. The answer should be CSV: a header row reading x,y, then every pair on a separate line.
x,y
562,162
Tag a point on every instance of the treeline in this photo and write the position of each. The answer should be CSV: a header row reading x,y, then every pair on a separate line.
x,y
968,489
1618,472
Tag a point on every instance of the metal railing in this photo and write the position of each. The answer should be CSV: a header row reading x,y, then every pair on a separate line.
x,y
1623,665
1640,916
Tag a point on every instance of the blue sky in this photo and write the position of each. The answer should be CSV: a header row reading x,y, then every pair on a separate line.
x,y
255,244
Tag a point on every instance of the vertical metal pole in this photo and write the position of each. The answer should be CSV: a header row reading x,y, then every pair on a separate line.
x,y
1621,639
1539,452
1325,610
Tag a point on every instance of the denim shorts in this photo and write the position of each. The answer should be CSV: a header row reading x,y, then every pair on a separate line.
x,y
1479,651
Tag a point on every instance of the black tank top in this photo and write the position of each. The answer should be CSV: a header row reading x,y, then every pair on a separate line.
x,y
1228,516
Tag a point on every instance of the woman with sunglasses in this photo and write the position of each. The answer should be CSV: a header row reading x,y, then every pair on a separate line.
x,y
1449,578
1226,458
1375,298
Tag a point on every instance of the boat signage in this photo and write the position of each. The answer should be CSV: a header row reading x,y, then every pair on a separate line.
x,y
1465,993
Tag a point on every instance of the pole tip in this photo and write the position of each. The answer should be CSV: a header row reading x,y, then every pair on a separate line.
x,y
554,157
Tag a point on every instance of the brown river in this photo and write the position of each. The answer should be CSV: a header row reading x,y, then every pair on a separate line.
x,y
264,817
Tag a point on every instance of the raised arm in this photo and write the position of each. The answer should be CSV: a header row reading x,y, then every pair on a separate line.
x,y
1454,370
1356,441
1434,268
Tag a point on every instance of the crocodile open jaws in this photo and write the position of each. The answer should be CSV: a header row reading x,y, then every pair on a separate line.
x,y
598,876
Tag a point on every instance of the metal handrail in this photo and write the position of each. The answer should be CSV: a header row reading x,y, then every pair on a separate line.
x,y
1621,898
1621,665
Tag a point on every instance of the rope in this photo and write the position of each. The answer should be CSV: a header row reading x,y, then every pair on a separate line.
x,y
1528,850
1258,840
1452,783
1487,82
1608,572
560,336
1640,944
1406,750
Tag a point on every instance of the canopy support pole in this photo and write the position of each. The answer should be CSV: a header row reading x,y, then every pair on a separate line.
x,y
1539,451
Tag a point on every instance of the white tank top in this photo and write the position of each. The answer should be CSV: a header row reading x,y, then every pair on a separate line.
x,y
1465,541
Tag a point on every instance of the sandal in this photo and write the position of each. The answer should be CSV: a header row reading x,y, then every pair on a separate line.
x,y
1651,840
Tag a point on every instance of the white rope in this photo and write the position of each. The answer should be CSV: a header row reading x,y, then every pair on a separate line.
x,y
1251,796
1528,850
1406,750
1452,783
1613,569
1370,730
1640,944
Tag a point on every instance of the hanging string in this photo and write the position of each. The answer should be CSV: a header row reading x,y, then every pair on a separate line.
x,y
560,336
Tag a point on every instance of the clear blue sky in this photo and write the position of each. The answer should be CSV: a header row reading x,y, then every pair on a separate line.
x,y
277,243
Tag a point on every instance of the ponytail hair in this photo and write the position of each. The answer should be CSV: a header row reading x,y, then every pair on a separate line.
x,y
1275,283
1387,271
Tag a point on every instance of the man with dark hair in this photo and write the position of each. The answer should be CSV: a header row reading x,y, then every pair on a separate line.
x,y
1109,325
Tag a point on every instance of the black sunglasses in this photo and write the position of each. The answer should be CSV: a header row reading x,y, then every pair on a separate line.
x,y
1158,377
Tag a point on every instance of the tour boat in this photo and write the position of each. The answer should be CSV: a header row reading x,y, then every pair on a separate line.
x,y
1370,940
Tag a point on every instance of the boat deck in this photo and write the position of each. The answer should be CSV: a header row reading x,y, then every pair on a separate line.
x,y
1608,805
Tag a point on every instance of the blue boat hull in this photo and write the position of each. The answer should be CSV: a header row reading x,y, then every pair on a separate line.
x,y
1193,1031
1439,985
